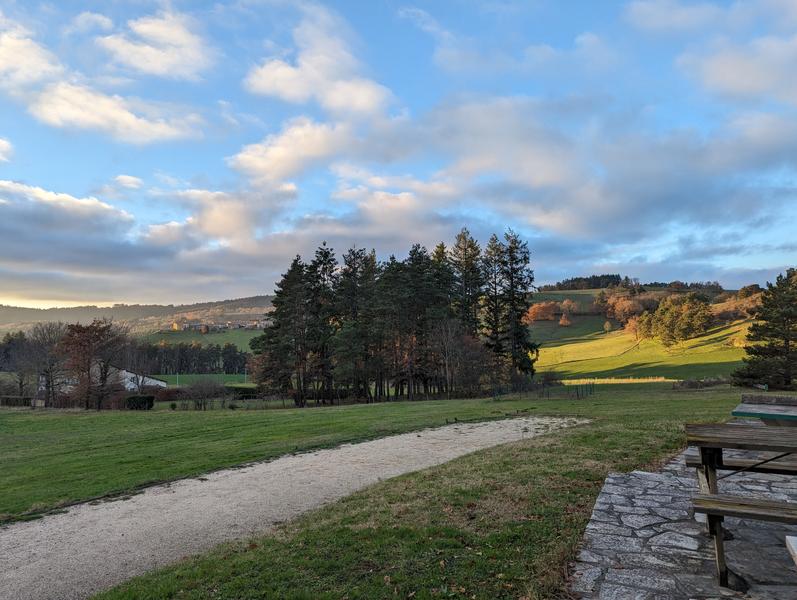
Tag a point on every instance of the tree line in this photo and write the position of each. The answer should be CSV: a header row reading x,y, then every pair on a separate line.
x,y
55,359
436,323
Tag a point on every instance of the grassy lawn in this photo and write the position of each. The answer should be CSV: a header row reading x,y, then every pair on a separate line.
x,y
500,523
617,354
54,458
239,337
188,379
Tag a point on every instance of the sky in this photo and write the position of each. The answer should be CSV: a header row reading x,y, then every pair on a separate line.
x,y
174,152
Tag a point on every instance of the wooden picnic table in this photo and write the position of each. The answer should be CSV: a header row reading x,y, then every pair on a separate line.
x,y
780,411
711,440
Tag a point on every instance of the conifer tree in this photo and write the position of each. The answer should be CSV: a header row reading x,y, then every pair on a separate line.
x,y
468,280
771,354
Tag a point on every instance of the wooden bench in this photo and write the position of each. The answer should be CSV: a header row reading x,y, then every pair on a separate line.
x,y
718,506
711,440
782,466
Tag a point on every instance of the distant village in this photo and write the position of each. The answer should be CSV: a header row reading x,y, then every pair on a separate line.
x,y
204,326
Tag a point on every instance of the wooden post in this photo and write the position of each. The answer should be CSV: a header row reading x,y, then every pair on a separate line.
x,y
715,527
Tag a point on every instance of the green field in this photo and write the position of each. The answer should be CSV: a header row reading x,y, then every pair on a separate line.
x,y
239,337
584,350
500,523
53,458
188,379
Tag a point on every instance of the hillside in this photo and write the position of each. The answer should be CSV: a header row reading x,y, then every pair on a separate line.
x,y
142,318
584,350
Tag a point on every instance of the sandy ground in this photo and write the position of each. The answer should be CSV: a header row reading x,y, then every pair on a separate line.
x,y
95,546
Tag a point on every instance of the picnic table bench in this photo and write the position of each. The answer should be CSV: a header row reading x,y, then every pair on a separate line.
x,y
711,440
772,410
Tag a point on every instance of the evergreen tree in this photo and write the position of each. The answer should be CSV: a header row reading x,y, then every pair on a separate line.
x,y
322,280
493,311
468,280
771,355
286,339
517,281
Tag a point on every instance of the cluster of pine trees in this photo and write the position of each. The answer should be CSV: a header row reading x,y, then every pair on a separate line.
x,y
677,318
440,323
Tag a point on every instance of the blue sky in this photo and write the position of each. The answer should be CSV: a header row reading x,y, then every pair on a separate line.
x,y
185,151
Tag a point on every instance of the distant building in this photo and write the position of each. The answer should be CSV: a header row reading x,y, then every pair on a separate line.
x,y
128,380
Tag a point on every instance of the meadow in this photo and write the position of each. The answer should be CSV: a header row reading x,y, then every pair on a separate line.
x,y
239,337
54,458
500,523
584,350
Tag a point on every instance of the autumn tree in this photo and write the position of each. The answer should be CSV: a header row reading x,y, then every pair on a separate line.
x,y
92,351
771,353
17,358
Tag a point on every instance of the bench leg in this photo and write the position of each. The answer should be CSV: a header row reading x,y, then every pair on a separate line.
x,y
715,528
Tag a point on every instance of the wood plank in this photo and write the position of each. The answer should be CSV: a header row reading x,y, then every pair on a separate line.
x,y
724,505
766,411
782,466
791,544
769,399
743,437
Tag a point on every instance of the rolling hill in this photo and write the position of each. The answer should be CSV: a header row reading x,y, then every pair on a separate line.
x,y
142,318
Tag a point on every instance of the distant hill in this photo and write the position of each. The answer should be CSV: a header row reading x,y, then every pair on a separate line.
x,y
141,318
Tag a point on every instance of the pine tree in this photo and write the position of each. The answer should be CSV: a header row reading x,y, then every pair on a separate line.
x,y
468,280
771,354
322,280
517,281
493,312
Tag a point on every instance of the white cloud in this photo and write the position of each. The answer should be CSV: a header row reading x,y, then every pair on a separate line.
x,y
301,143
762,69
75,106
23,62
672,15
76,206
88,21
162,45
6,149
325,70
129,181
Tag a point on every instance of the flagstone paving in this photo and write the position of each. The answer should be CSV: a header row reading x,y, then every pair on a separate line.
x,y
643,542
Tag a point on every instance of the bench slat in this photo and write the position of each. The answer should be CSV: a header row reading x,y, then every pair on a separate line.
x,y
743,437
782,466
724,505
766,411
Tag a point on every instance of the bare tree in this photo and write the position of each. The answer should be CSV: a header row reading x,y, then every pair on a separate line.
x,y
45,340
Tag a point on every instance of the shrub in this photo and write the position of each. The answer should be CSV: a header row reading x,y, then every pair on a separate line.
x,y
173,405
140,402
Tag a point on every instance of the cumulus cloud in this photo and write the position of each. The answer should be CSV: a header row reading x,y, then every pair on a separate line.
x,y
6,150
325,70
129,182
162,45
761,69
80,107
301,143
23,62
88,21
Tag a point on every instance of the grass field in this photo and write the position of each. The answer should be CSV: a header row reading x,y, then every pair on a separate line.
x,y
239,337
52,458
500,523
584,350
188,379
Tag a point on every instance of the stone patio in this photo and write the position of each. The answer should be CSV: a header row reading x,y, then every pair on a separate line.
x,y
643,542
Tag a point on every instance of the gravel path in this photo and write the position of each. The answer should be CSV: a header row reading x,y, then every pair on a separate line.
x,y
95,546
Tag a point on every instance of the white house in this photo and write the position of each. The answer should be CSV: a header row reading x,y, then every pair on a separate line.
x,y
129,380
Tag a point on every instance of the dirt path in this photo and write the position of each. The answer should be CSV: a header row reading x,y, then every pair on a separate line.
x,y
95,546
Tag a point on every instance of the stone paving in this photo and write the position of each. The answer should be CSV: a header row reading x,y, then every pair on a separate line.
x,y
643,542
